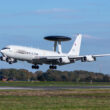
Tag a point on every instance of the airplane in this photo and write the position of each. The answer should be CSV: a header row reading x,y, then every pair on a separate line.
x,y
36,57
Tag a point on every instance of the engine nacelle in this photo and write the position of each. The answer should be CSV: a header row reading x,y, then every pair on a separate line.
x,y
64,60
88,58
3,58
12,60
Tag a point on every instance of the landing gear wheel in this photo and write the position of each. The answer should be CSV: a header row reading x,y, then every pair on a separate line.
x,y
35,67
10,62
50,67
1,58
53,67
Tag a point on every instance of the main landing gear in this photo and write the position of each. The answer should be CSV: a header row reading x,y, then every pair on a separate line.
x,y
53,67
35,67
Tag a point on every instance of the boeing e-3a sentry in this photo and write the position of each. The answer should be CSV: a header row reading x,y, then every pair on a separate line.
x,y
36,57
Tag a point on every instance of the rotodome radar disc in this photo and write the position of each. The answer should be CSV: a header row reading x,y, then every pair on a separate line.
x,y
57,38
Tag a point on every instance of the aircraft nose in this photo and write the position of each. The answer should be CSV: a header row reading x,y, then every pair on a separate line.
x,y
1,51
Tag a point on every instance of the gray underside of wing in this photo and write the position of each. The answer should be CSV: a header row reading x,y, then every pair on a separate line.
x,y
46,60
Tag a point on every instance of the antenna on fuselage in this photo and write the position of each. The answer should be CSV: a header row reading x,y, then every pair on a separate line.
x,y
57,41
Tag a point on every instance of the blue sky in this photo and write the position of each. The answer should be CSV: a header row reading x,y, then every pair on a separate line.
x,y
26,22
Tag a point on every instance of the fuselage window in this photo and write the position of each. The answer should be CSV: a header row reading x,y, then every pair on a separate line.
x,y
21,52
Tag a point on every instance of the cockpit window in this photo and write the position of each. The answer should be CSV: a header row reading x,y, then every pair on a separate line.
x,y
5,48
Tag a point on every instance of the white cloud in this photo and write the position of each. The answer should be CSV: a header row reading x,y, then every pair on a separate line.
x,y
54,10
90,36
87,36
37,12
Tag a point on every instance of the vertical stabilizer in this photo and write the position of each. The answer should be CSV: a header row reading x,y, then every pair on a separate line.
x,y
75,50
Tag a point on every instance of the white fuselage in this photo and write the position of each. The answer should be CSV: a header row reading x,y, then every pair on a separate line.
x,y
28,54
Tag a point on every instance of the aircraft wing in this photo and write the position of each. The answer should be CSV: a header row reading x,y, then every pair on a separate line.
x,y
101,55
75,57
88,58
56,59
53,58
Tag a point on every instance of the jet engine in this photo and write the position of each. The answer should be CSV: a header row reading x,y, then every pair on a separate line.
x,y
88,58
3,58
64,60
11,60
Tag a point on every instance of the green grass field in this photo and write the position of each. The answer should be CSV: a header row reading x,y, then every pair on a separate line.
x,y
55,100
51,83
77,99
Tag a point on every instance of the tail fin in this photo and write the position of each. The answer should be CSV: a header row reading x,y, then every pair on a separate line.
x,y
75,50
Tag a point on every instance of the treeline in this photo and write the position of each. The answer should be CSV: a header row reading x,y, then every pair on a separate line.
x,y
53,75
